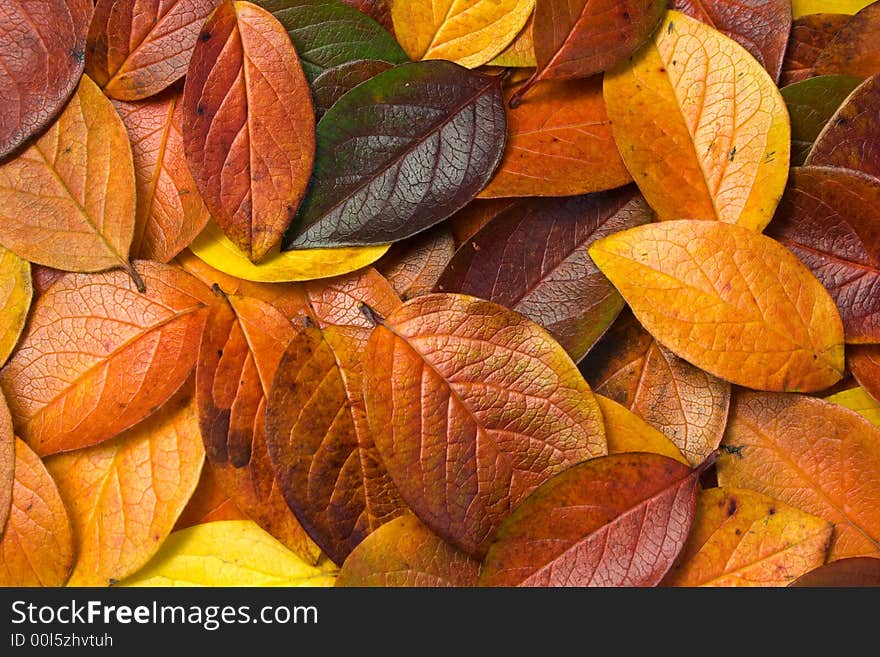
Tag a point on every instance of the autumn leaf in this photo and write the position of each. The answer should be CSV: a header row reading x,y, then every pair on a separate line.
x,y
216,250
521,51
853,50
446,132
858,400
809,37
856,571
472,407
42,50
68,200
584,37
7,462
559,144
759,26
743,538
533,259
241,347
730,301
43,277
245,80
16,292
137,48
334,83
687,404
804,7
414,265
815,455
851,138
864,363
378,10
170,212
811,104
124,496
627,432
229,553
405,553
320,445
700,151
327,33
466,222
830,219
208,503
468,32
98,357
36,547
614,521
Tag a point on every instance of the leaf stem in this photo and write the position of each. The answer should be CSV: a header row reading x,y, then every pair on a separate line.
x,y
136,277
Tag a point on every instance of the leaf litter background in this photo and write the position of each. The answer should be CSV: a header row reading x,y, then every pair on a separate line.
x,y
440,293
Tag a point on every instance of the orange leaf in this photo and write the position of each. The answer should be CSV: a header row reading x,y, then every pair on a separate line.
x,y
742,538
559,143
472,407
170,212
124,496
730,301
209,503
815,455
7,462
239,354
244,81
403,552
68,200
136,48
319,442
36,549
97,357
687,404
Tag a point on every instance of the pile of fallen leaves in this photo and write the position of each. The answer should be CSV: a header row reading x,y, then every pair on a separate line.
x,y
310,291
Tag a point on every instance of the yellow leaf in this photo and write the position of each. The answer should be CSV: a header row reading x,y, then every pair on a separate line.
x,y
16,292
467,32
214,248
858,400
805,7
627,432
229,553
733,302
701,126
521,52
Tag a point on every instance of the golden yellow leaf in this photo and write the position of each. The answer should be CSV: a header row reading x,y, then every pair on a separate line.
x,y
627,432
16,292
213,247
733,302
858,400
467,32
701,126
229,553
805,7
124,496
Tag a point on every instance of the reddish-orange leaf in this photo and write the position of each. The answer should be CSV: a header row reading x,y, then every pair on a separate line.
x,y
413,266
614,521
240,350
743,538
7,461
170,212
477,214
815,455
405,553
97,356
687,404
68,200
472,407
864,363
378,10
42,48
809,37
209,503
124,496
320,444
137,48
244,81
853,51
855,571
559,144
36,548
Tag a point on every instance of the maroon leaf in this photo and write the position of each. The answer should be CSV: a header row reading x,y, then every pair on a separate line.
x,y
809,36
